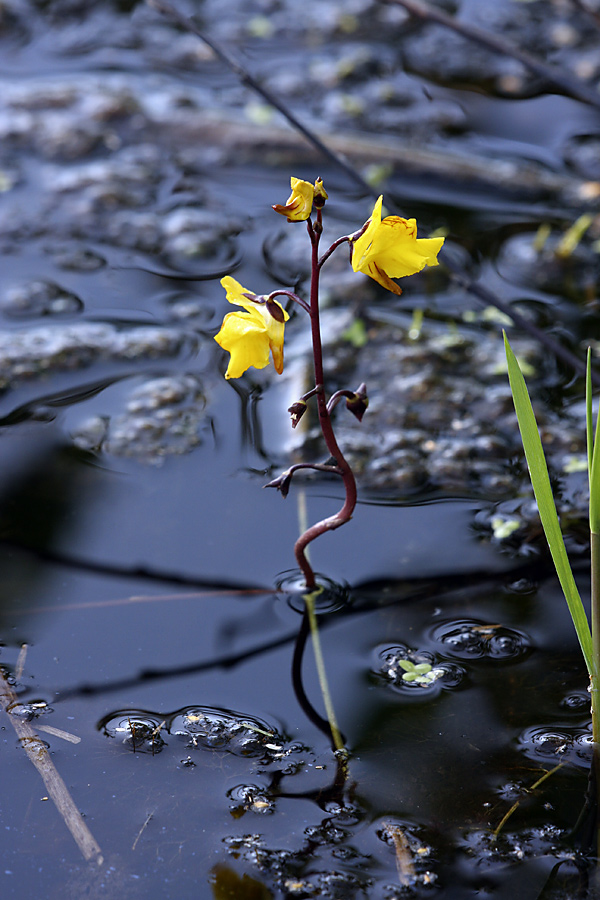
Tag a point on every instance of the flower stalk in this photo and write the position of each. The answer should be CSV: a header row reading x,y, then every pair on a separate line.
x,y
342,467
383,249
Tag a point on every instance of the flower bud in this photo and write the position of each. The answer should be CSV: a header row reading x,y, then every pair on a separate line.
x,y
296,411
282,483
358,403
320,194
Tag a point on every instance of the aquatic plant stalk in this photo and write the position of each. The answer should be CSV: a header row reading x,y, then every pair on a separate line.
x,y
589,639
593,455
341,465
384,249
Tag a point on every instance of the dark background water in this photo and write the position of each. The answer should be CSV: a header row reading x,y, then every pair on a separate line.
x,y
141,559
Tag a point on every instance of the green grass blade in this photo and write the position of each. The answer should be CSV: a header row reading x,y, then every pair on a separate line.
x,y
589,430
538,471
593,456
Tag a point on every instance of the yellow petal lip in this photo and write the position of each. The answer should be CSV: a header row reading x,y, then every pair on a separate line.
x,y
299,204
249,336
390,249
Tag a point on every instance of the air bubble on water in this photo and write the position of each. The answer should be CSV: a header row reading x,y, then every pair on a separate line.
x,y
31,710
576,702
199,728
473,639
562,744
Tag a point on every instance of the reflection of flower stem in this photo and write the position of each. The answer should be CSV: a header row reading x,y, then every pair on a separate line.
x,y
328,726
309,600
343,468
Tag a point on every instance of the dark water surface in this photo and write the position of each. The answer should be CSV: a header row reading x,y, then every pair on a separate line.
x,y
142,561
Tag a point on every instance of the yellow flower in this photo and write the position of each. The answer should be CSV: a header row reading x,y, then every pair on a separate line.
x,y
299,204
390,249
248,336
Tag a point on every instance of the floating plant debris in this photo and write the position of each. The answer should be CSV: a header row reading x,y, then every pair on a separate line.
x,y
250,798
416,671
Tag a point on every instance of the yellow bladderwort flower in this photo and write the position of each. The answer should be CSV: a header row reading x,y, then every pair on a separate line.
x,y
300,202
390,249
248,336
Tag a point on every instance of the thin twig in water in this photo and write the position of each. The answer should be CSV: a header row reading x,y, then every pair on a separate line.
x,y
251,82
566,83
59,733
142,829
37,753
515,805
592,13
20,665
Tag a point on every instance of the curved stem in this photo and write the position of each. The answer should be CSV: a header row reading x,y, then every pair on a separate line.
x,y
333,247
339,395
345,513
292,296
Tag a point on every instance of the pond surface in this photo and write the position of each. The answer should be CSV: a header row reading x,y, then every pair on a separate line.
x,y
144,614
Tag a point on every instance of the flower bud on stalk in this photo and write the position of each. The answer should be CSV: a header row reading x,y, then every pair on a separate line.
x,y
358,403
296,411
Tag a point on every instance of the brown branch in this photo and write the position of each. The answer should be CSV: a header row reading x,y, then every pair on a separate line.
x,y
594,16
37,752
246,78
567,84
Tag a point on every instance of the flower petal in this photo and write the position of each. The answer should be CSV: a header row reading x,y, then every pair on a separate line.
x,y
299,204
246,339
390,249
237,294
249,336
362,245
373,270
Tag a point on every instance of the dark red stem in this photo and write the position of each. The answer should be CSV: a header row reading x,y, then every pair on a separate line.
x,y
292,296
339,395
345,513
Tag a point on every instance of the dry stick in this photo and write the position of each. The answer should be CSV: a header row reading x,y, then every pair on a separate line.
x,y
36,750
515,805
573,87
251,82
568,84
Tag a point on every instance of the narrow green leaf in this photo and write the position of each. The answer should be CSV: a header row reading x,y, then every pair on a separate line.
x,y
592,447
542,489
589,431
